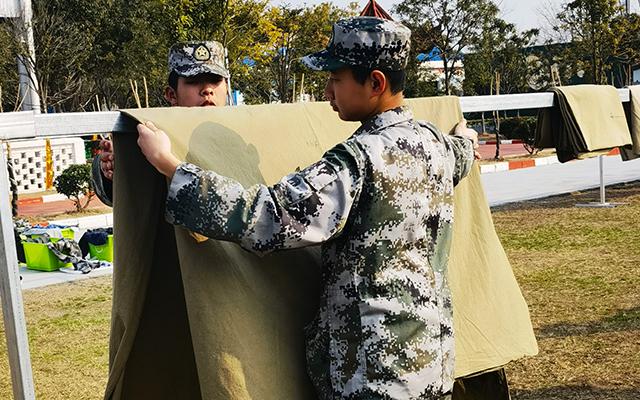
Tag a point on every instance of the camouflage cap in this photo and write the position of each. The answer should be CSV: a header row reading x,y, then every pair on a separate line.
x,y
365,42
193,58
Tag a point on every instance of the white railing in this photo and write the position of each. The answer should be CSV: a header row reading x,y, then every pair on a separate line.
x,y
28,125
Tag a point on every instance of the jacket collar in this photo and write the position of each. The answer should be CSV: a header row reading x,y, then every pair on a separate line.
x,y
385,119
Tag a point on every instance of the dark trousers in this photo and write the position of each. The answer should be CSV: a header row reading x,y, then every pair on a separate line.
x,y
487,386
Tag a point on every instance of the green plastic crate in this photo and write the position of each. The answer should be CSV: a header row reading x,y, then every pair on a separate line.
x,y
102,252
39,257
67,233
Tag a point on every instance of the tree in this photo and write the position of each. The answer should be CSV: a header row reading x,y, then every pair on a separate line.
x,y
548,65
315,33
499,51
82,51
87,51
267,73
449,25
75,182
594,27
420,82
60,50
627,28
9,97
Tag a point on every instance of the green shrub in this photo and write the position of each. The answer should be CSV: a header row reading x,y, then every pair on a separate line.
x,y
523,128
75,182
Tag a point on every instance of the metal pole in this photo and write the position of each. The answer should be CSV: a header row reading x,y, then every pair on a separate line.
x,y
602,203
11,294
601,162
26,64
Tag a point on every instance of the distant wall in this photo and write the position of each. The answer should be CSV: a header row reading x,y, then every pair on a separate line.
x,y
29,161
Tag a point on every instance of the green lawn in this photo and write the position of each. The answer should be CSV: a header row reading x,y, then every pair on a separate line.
x,y
68,327
579,270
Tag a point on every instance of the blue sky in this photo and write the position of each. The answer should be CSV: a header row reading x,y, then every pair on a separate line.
x,y
525,14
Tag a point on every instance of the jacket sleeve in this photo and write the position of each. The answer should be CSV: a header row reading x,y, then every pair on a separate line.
x,y
102,186
304,208
462,149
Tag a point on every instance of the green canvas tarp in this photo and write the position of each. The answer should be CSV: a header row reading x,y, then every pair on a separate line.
x,y
585,120
209,320
632,110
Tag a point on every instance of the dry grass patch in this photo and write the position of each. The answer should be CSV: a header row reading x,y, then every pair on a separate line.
x,y
68,328
578,269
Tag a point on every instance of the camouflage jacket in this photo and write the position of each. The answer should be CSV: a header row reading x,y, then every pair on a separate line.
x,y
381,204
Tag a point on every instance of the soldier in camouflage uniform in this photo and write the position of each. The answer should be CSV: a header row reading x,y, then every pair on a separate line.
x,y
197,77
380,203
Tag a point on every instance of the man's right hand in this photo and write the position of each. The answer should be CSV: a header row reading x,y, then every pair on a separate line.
x,y
106,158
463,131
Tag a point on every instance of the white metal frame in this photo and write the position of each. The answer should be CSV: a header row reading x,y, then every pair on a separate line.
x,y
27,124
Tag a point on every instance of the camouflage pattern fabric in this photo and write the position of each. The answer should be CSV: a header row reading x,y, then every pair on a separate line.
x,y
102,187
364,42
193,58
68,251
381,204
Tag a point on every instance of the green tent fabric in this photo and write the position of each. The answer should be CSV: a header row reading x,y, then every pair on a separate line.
x,y
584,120
208,320
632,111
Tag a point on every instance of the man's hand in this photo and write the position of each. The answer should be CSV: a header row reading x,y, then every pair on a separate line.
x,y
463,131
156,147
106,158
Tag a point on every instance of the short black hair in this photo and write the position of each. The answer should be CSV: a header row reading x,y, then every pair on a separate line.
x,y
396,79
173,80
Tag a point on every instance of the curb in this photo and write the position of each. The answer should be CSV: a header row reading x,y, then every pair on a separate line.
x,y
535,162
90,222
47,198
510,165
509,141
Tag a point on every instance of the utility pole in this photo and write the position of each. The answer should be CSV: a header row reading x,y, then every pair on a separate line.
x,y
26,64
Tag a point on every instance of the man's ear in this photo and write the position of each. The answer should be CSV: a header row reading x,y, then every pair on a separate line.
x,y
171,96
378,82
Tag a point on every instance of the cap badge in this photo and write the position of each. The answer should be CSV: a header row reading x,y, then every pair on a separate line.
x,y
201,53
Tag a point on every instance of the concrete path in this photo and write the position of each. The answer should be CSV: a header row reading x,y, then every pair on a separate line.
x,y
33,279
501,188
548,180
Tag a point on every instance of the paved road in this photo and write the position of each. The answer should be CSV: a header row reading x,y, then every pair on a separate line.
x,y
54,207
548,180
488,151
501,188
